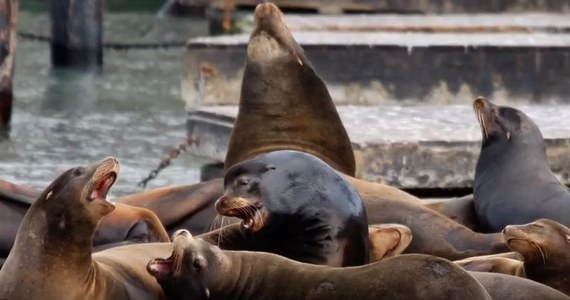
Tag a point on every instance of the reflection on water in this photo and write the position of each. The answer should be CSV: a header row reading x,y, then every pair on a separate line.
x,y
131,109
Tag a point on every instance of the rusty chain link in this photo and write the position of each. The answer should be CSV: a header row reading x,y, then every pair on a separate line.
x,y
167,160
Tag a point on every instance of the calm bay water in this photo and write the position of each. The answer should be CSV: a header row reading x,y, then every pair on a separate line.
x,y
131,109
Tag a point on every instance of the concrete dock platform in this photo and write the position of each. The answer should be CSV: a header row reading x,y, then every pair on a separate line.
x,y
420,146
411,6
377,60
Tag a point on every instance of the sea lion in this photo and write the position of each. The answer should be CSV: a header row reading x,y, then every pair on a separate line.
x,y
506,263
282,91
51,257
544,245
502,286
297,206
275,82
303,116
199,270
124,223
513,182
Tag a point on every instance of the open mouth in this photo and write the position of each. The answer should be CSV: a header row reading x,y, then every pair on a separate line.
x,y
102,186
249,210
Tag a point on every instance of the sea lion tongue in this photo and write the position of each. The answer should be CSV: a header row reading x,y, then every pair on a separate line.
x,y
284,105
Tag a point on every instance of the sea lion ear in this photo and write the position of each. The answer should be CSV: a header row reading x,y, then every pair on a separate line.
x,y
269,167
568,238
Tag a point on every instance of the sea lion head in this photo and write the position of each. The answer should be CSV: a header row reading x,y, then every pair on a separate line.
x,y
185,274
79,194
505,125
281,186
284,104
539,241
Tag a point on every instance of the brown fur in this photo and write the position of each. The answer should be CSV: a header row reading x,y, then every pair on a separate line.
x,y
51,258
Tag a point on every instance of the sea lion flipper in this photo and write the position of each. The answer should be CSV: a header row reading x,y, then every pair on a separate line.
x,y
387,240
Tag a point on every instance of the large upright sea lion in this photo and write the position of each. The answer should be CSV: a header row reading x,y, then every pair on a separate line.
x,y
282,91
545,247
200,270
51,258
513,182
297,206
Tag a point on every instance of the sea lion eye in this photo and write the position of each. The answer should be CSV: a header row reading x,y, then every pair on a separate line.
x,y
197,265
538,225
243,181
79,171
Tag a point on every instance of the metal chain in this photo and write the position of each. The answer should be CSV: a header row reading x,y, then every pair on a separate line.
x,y
110,45
167,160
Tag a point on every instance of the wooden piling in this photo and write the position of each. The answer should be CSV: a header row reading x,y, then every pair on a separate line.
x,y
77,33
8,40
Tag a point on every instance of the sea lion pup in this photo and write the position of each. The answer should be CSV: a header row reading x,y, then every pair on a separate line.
x,y
544,245
513,182
199,270
51,257
296,205
509,263
502,286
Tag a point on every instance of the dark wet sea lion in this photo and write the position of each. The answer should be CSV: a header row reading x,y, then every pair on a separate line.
x,y
297,206
506,263
513,182
545,247
51,257
199,270
501,286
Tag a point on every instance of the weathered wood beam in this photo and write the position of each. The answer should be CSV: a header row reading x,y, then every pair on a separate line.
x,y
8,41
77,33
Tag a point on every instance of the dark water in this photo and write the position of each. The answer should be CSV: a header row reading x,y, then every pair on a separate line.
x,y
131,109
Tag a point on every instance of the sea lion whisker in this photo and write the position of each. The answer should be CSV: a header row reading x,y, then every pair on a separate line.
x,y
541,251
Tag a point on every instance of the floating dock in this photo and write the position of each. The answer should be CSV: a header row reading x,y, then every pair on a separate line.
x,y
404,85
420,146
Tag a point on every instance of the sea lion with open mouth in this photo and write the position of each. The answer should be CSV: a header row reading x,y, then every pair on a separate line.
x,y
297,206
51,258
199,270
